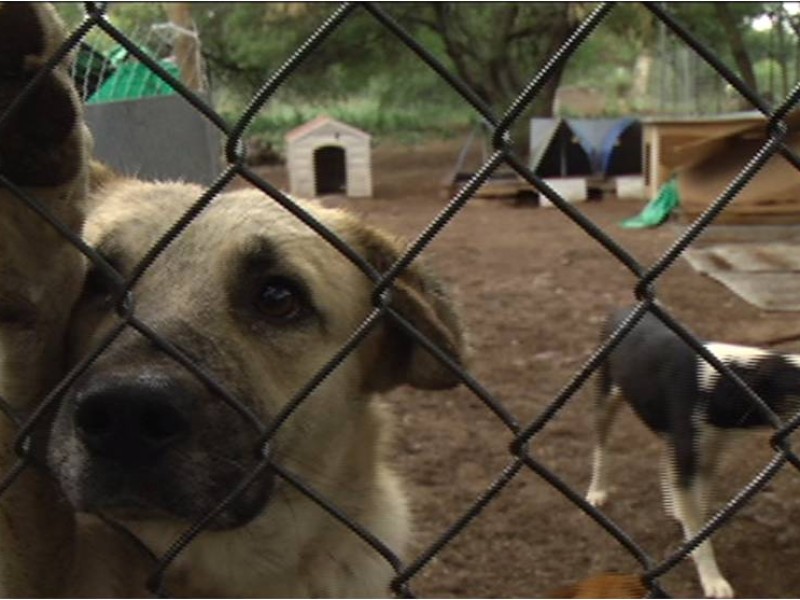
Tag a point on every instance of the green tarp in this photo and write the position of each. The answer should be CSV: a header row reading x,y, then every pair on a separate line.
x,y
131,79
658,209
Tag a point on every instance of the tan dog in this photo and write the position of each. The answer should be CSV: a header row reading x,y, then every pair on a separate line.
x,y
258,301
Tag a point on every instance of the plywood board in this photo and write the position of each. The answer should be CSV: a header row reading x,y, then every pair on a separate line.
x,y
766,275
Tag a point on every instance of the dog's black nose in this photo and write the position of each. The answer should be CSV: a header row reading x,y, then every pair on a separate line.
x,y
132,423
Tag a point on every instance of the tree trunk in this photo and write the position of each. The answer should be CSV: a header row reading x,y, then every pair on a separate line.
x,y
738,46
498,75
641,75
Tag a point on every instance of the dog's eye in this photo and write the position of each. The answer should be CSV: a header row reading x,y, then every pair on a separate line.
x,y
280,300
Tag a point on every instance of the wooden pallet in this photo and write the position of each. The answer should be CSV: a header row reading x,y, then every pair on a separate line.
x,y
785,212
499,185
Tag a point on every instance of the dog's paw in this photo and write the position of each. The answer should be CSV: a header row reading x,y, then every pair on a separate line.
x,y
717,587
41,139
596,497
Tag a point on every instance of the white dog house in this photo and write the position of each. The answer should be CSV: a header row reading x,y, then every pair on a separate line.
x,y
325,156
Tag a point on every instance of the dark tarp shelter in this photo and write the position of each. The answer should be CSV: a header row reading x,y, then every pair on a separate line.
x,y
555,150
575,147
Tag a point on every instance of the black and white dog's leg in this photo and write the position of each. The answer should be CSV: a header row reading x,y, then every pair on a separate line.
x,y
607,405
687,482
669,481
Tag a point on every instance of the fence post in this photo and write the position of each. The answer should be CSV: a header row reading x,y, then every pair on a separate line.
x,y
187,47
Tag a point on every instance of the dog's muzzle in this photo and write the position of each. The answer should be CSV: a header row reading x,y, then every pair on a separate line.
x,y
154,445
132,423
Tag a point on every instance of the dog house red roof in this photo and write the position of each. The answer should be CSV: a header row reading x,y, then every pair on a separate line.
x,y
326,156
320,122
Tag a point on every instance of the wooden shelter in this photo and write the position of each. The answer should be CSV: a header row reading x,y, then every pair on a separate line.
x,y
707,154
326,156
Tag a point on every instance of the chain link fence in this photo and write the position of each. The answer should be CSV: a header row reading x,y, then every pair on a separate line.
x,y
520,435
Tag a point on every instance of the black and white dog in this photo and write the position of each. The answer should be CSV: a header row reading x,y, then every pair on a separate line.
x,y
691,406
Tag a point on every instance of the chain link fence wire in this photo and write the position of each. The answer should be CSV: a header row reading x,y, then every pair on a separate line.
x,y
520,435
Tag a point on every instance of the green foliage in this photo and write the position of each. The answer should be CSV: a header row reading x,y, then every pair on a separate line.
x,y
702,19
602,61
496,48
245,43
410,123
493,47
364,75
132,18
360,75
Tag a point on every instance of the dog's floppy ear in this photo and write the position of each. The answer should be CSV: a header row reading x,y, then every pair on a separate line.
x,y
420,298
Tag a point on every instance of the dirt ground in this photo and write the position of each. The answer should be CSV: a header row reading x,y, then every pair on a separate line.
x,y
533,289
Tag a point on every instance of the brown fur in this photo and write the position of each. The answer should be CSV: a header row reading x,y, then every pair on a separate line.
x,y
201,294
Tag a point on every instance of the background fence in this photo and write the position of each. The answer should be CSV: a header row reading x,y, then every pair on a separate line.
x,y
520,435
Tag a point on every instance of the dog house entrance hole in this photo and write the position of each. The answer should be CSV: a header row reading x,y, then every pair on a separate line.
x,y
330,170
